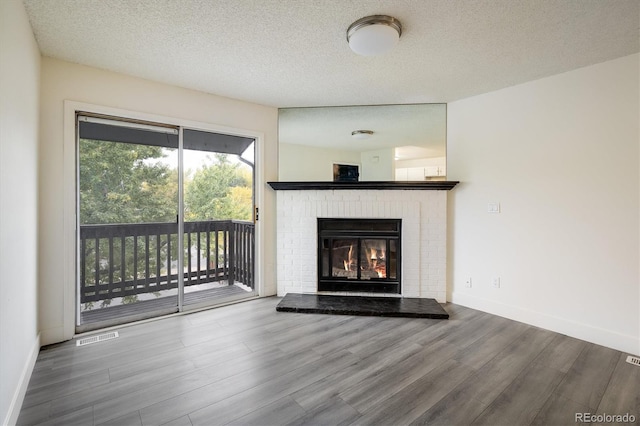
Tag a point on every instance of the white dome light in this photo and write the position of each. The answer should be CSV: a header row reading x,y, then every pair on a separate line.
x,y
362,134
374,35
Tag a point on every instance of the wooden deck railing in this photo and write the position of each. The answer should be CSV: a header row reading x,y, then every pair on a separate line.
x,y
119,260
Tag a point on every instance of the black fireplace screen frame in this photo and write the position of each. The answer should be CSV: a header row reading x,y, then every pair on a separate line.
x,y
330,229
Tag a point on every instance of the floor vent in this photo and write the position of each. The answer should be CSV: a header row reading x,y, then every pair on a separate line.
x,y
633,360
97,338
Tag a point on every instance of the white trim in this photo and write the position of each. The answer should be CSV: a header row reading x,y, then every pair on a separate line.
x,y
69,222
21,390
599,336
69,209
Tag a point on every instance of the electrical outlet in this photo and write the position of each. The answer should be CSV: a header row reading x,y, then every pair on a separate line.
x,y
496,282
468,283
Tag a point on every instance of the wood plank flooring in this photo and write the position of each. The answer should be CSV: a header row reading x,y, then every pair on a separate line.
x,y
247,364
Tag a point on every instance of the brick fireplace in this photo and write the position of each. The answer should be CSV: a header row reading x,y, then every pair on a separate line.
x,y
423,214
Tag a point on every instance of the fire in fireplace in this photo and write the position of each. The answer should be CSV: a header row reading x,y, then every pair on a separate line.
x,y
360,255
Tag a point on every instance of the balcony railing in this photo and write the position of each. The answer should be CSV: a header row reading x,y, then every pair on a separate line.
x,y
119,260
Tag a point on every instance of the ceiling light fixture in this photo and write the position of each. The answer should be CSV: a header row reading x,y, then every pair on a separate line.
x,y
374,35
362,134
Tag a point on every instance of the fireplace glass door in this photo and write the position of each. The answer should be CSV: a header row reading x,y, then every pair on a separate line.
x,y
359,255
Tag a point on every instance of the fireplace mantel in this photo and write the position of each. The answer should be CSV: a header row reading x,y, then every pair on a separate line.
x,y
375,185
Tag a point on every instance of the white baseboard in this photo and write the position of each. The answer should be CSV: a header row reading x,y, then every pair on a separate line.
x,y
21,389
589,333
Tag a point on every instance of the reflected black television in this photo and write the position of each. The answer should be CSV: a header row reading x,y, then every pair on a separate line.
x,y
345,173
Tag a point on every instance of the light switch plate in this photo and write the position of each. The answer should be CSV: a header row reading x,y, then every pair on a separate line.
x,y
493,207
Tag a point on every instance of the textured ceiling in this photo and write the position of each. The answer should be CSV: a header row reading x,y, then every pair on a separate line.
x,y
294,52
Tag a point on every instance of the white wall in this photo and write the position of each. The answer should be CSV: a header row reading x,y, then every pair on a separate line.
x,y
378,165
19,97
561,157
307,163
65,81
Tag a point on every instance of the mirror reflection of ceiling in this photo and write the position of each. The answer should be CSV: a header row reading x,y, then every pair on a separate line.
x,y
420,129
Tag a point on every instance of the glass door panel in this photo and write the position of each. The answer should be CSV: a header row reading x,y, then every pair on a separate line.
x,y
373,259
344,259
219,229
127,218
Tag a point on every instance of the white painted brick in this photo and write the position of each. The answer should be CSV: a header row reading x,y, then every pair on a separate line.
x,y
423,215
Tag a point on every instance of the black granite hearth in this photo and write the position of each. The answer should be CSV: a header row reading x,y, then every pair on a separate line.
x,y
359,305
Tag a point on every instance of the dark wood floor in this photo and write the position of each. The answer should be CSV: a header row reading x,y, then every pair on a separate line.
x,y
248,364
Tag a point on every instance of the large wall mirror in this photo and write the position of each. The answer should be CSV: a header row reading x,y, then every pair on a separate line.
x,y
407,143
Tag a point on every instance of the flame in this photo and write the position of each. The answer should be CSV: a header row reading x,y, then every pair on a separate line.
x,y
349,261
381,270
375,263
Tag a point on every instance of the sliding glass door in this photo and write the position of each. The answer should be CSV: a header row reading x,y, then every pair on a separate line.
x,y
165,220
219,230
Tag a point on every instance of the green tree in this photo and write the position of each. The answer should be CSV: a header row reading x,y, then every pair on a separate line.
x,y
222,190
125,183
